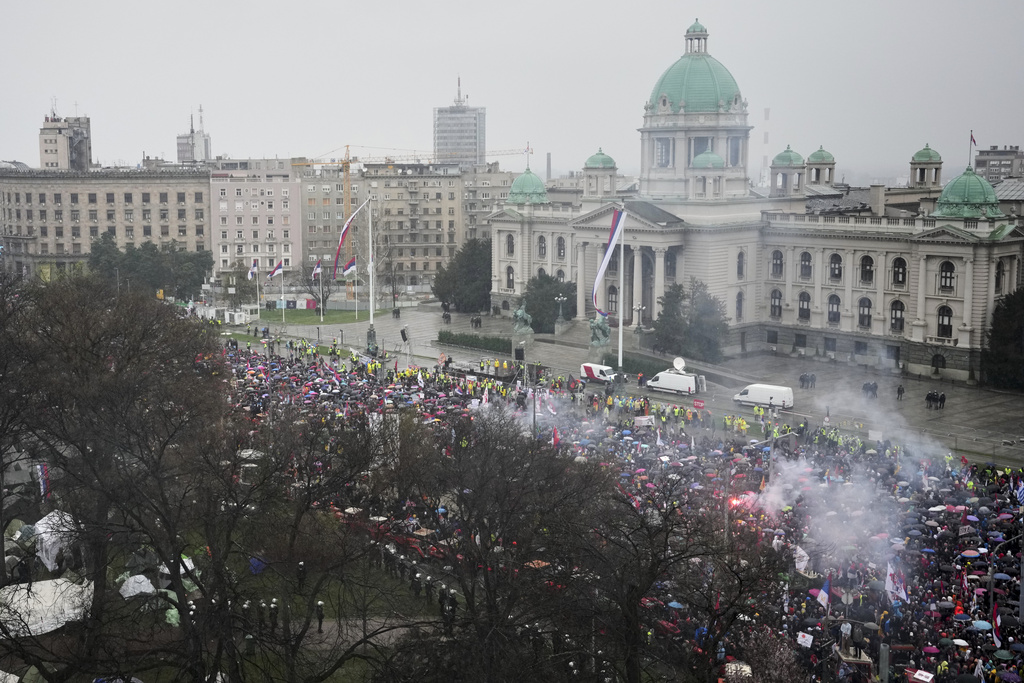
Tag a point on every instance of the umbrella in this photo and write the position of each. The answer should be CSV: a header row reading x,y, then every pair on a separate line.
x,y
1017,647
1009,676
982,625
1001,577
962,617
1003,654
931,649
945,642
871,626
960,642
675,605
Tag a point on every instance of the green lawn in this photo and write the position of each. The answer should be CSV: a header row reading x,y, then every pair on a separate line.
x,y
306,317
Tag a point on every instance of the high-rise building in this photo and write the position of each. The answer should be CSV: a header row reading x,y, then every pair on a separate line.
x,y
194,145
995,164
65,144
460,132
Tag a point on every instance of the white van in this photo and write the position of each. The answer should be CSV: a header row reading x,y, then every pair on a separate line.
x,y
765,395
592,372
675,382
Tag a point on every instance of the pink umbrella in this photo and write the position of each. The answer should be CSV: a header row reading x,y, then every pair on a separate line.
x,y
650,486
980,591
814,592
931,649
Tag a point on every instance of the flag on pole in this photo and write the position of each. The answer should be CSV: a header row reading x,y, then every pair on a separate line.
x,y
316,269
618,222
277,270
659,442
554,437
350,267
996,622
419,379
255,267
973,141
823,593
1020,491
344,233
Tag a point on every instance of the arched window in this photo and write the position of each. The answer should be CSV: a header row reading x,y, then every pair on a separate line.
x,y
835,267
542,246
505,306
947,276
1000,273
560,276
867,269
833,309
510,245
739,307
777,264
613,299
805,265
804,311
510,278
739,266
899,271
413,280
945,326
939,362
864,312
670,264
896,310
560,245
776,304
541,272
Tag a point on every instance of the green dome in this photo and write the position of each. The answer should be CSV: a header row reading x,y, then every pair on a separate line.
x,y
708,159
927,154
788,157
600,160
528,189
968,196
821,157
697,82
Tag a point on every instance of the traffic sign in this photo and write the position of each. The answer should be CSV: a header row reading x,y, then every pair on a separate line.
x,y
698,404
826,419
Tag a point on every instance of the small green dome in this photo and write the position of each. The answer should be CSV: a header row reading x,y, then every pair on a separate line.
x,y
968,196
788,157
527,189
696,27
600,160
927,154
697,82
820,157
708,159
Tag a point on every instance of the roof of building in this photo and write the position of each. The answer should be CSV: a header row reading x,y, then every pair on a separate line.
x,y
926,154
599,160
697,82
651,213
696,27
788,157
1010,190
528,188
708,159
820,156
853,199
968,196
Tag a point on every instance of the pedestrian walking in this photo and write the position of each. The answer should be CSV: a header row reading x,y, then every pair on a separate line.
x,y
942,400
899,393
320,616
300,575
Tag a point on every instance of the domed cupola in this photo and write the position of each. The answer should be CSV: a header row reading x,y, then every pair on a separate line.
x,y
527,189
968,196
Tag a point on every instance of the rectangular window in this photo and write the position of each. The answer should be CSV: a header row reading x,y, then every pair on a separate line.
x,y
830,344
181,197
127,197
181,214
772,336
163,197
92,197
145,198
147,230
110,198
199,197
56,198
147,214
110,215
74,197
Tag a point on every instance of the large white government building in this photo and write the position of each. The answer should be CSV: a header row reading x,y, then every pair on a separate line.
x,y
891,277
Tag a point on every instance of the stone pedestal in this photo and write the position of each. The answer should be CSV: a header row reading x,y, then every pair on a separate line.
x,y
562,326
522,340
595,354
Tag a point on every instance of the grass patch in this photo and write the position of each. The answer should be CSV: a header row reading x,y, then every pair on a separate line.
x,y
502,345
296,316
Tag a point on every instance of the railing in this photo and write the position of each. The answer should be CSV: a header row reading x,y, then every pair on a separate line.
x,y
942,341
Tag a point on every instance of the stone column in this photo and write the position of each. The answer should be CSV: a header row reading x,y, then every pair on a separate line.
x,y
659,280
991,290
582,286
789,272
880,310
965,328
819,276
918,327
637,293
849,272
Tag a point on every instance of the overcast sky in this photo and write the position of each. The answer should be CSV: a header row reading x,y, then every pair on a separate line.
x,y
871,80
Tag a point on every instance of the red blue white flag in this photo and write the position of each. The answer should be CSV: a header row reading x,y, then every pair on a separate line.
x,y
614,235
277,270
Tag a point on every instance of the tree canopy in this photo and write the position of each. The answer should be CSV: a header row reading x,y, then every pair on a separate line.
x,y
691,323
465,281
148,268
1003,361
539,299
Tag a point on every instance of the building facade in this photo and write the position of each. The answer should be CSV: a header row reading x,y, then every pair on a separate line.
x,y
65,143
256,215
460,133
907,279
995,164
49,219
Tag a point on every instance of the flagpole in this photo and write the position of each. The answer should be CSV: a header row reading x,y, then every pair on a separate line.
x,y
622,270
970,149
355,282
282,296
371,334
321,276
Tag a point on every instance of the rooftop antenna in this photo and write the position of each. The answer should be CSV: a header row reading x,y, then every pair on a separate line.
x,y
191,123
201,128
458,97
53,107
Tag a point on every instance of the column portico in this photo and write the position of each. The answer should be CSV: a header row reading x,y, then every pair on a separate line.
x,y
659,280
581,280
637,293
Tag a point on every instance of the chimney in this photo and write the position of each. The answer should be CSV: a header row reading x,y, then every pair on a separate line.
x,y
549,167
877,197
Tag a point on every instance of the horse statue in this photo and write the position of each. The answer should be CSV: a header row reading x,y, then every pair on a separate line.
x,y
600,332
521,321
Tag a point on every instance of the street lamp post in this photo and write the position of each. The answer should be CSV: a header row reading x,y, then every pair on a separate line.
x,y
560,299
638,309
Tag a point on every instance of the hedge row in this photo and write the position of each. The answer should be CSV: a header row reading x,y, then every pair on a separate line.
x,y
502,345
634,365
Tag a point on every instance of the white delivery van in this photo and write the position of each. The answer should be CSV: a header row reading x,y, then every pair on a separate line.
x,y
675,382
592,372
765,395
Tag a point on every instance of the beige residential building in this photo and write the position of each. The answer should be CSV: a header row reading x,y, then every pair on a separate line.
x,y
65,143
48,219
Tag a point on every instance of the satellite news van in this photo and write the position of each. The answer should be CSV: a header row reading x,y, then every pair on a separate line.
x,y
676,380
769,395
592,372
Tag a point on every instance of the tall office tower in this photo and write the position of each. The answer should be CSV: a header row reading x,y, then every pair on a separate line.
x,y
460,132
194,145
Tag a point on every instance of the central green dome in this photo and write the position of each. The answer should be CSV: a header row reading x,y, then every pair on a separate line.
x,y
968,196
788,157
697,82
599,160
527,189
708,159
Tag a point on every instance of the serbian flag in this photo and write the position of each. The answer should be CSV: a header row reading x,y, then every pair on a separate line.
x,y
996,622
554,437
316,270
255,267
344,234
277,270
618,223
823,595
973,141
350,267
